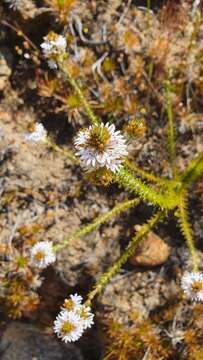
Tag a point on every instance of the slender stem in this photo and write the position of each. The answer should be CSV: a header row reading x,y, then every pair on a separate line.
x,y
171,129
119,208
115,268
148,6
145,174
187,231
66,153
193,171
66,74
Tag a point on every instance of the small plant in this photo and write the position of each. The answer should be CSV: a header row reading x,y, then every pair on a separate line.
x,y
102,149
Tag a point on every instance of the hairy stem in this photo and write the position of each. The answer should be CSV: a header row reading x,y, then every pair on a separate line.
x,y
126,179
117,210
145,174
187,230
193,171
115,268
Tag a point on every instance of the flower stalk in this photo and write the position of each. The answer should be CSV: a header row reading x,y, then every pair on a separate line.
x,y
187,231
115,268
117,210
67,75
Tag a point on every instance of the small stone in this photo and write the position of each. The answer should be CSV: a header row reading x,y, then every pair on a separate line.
x,y
152,251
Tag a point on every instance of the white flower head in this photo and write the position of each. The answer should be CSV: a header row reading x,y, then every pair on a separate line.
x,y
54,48
101,146
42,254
73,303
86,316
38,135
192,285
68,326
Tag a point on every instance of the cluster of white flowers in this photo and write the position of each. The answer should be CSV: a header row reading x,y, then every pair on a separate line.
x,y
101,146
38,135
73,319
15,4
42,254
53,47
192,285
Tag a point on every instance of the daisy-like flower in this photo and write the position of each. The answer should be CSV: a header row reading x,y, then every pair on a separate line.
x,y
192,285
54,48
68,326
73,319
73,303
42,254
86,316
101,146
39,134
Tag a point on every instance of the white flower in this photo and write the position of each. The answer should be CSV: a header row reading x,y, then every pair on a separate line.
x,y
73,319
53,47
15,4
42,254
73,303
101,146
192,285
39,134
52,64
86,316
68,326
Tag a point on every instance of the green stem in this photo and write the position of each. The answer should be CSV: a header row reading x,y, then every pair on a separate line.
x,y
149,6
187,231
193,171
145,174
115,268
170,129
119,208
66,74
66,153
126,179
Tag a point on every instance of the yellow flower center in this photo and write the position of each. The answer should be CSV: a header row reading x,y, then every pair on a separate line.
x,y
98,138
31,127
197,286
68,304
40,255
67,327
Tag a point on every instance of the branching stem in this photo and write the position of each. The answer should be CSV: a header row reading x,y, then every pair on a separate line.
x,y
117,210
125,178
146,175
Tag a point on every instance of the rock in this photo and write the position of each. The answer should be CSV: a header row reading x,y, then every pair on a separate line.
x,y
152,251
25,342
